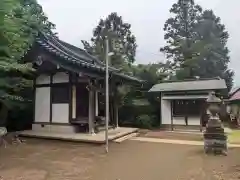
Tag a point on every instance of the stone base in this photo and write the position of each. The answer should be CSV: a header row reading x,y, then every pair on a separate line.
x,y
216,146
57,128
215,136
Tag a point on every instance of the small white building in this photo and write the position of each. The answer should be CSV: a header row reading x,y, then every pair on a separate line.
x,y
182,103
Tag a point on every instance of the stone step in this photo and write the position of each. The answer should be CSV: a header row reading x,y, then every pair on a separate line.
x,y
121,139
103,128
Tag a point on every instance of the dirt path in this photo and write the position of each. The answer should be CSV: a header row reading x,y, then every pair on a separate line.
x,y
130,160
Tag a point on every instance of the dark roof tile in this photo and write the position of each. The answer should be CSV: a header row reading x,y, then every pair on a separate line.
x,y
77,56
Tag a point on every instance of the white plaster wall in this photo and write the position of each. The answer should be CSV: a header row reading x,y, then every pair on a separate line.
x,y
42,104
60,113
43,79
194,121
179,121
60,77
166,111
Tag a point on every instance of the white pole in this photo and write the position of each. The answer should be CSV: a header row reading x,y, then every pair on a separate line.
x,y
107,96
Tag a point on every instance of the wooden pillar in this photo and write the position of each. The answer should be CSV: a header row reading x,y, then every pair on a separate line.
x,y
51,98
111,110
115,111
74,101
171,101
115,104
160,111
91,111
70,103
186,104
96,104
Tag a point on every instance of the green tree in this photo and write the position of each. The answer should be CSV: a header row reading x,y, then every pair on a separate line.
x,y
153,73
28,19
180,32
210,53
196,43
211,48
23,20
144,106
20,22
121,41
10,69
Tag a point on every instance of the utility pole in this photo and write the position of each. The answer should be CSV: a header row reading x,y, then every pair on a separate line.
x,y
107,95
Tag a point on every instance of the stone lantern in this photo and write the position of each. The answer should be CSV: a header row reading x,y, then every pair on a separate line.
x,y
215,140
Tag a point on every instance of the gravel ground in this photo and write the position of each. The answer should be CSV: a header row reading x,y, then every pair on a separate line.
x,y
130,160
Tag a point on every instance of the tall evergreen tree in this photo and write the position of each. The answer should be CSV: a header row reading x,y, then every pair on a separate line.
x,y
180,32
196,43
210,53
211,48
121,41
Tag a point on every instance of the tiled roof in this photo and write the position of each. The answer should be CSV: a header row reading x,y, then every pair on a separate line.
x,y
235,96
234,90
77,56
82,52
210,84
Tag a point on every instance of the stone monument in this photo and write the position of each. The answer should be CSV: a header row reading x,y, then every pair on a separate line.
x,y
215,140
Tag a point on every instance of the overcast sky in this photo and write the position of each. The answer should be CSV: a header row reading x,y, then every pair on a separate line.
x,y
75,20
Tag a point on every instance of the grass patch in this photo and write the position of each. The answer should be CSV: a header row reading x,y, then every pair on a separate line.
x,y
234,136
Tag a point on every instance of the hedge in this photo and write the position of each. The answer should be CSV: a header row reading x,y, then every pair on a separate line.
x,y
139,116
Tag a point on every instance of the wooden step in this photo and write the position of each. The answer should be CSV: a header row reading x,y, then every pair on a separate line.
x,y
123,138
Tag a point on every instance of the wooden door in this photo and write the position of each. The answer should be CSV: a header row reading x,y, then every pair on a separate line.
x,y
82,100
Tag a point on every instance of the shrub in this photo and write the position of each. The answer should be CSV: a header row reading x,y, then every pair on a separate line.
x,y
131,116
144,121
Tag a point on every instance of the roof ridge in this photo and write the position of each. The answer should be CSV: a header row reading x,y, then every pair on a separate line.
x,y
188,80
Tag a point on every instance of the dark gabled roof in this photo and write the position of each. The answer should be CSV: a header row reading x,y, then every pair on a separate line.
x,y
77,57
78,50
84,54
